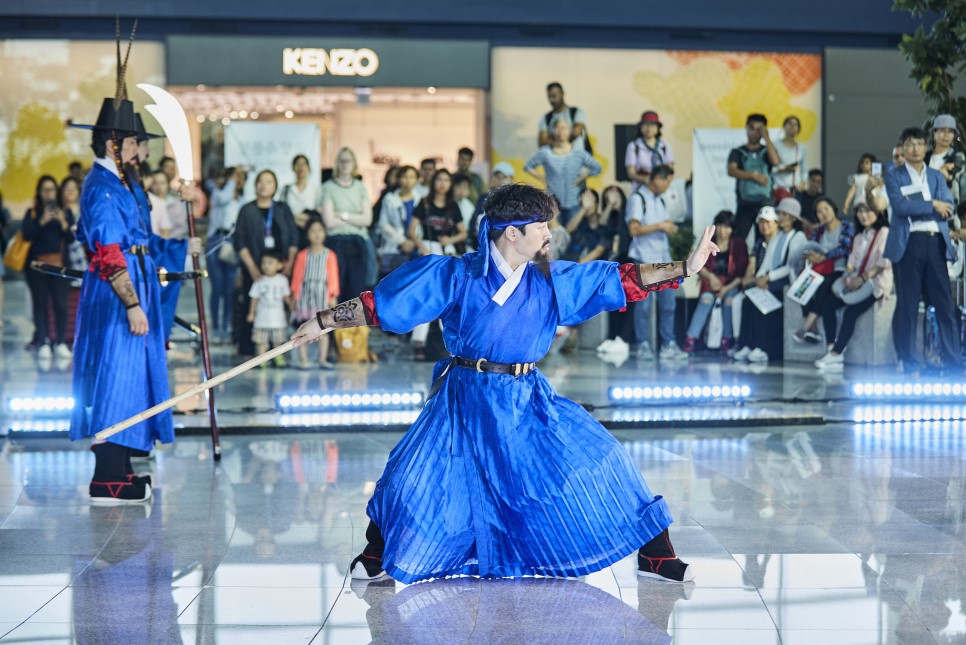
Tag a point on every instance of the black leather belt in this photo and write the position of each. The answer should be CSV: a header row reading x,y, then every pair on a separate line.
x,y
483,365
929,233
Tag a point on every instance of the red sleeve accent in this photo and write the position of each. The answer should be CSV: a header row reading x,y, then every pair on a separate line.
x,y
634,287
369,308
108,259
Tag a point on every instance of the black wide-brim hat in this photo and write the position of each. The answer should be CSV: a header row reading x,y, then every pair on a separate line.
x,y
123,120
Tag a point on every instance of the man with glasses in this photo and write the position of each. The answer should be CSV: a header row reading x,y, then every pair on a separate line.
x,y
919,248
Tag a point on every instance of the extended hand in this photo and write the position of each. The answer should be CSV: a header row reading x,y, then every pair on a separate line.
x,y
308,333
705,249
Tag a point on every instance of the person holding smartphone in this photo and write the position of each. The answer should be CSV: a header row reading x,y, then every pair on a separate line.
x,y
789,174
47,226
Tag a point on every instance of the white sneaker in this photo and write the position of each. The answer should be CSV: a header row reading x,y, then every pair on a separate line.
x,y
831,362
606,346
757,356
45,353
741,354
619,345
62,351
671,352
644,352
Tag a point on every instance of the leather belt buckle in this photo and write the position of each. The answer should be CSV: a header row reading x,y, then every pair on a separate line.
x,y
479,365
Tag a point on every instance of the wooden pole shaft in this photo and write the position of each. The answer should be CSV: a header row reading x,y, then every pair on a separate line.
x,y
198,389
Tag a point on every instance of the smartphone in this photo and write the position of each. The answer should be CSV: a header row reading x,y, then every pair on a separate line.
x,y
876,169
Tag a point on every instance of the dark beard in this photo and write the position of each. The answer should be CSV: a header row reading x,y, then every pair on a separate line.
x,y
542,260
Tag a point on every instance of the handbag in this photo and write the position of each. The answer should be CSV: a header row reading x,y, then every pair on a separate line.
x,y
227,253
15,257
825,267
864,291
715,327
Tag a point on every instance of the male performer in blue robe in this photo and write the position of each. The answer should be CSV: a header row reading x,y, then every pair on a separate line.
x,y
500,476
119,360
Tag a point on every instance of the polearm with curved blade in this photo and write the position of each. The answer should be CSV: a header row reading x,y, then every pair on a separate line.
x,y
171,117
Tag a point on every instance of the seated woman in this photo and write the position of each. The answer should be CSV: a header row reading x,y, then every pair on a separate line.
x,y
868,272
761,334
720,281
834,239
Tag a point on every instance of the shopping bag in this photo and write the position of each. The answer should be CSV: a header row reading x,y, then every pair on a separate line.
x,y
715,328
805,285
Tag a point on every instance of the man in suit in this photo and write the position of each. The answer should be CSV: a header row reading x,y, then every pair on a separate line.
x,y
919,247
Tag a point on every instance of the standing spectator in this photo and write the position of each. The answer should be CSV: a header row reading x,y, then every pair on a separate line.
x,y
898,157
463,161
720,281
501,175
304,197
789,175
919,247
565,166
263,225
462,187
269,295
426,169
620,324
751,166
857,181
223,263
760,337
589,239
806,198
169,167
4,220
560,111
347,215
834,236
866,264
650,225
943,157
47,226
315,287
394,218
437,225
158,189
390,182
647,150
76,170
70,191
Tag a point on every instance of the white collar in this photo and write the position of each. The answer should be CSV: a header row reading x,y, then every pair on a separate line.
x,y
108,164
512,276
917,177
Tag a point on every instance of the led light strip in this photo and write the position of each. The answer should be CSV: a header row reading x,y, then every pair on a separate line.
x,y
41,425
348,401
667,393
889,414
908,390
40,404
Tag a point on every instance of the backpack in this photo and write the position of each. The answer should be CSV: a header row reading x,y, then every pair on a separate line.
x,y
548,117
752,191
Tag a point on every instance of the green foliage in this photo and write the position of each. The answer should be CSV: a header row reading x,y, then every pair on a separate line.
x,y
937,55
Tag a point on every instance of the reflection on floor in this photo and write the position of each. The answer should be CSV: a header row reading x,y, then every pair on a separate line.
x,y
835,534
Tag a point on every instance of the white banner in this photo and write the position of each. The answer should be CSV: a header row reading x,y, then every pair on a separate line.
x,y
272,146
713,190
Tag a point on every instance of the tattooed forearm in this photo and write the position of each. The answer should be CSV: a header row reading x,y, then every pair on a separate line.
x,y
347,314
661,273
124,289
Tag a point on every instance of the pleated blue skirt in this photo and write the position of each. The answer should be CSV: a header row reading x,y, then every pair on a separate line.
x,y
500,477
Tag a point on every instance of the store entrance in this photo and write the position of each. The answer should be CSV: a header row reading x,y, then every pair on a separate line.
x,y
383,126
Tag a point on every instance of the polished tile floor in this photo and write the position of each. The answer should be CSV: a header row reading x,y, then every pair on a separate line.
x,y
805,526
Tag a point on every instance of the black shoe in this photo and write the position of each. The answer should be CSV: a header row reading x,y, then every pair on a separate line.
x,y
366,567
145,478
657,559
122,492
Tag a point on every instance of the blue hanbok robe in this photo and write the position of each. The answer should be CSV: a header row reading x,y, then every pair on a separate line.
x,y
500,476
117,374
168,253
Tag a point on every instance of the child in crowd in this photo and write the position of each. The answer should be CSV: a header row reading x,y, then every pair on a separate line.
x,y
270,294
863,170
315,286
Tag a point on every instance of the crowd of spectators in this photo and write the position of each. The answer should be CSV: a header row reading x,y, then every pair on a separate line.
x,y
330,241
